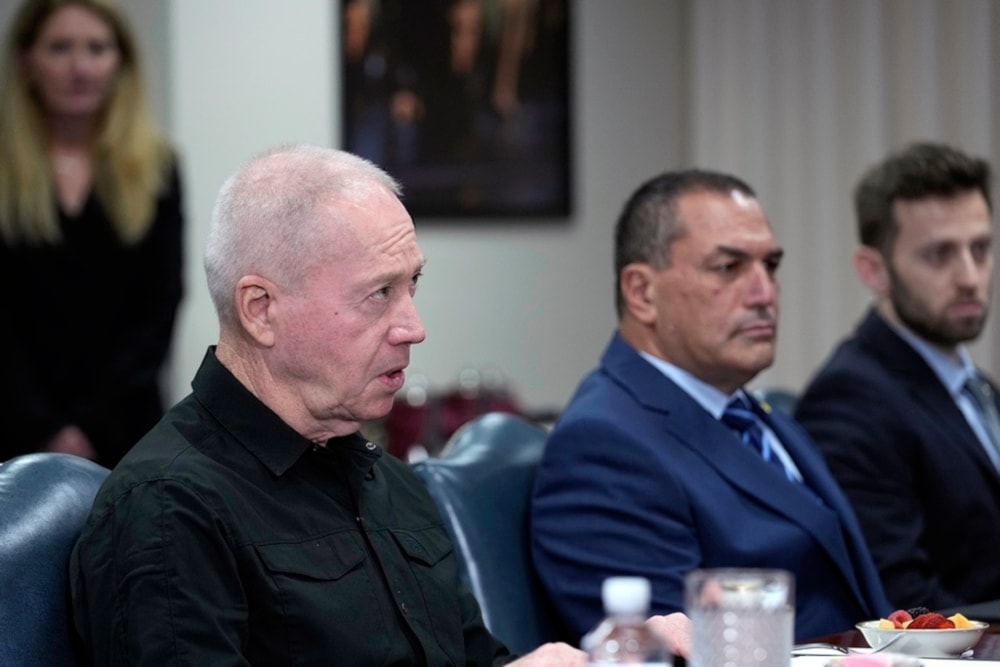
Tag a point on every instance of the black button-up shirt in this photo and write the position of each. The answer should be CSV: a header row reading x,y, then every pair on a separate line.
x,y
226,538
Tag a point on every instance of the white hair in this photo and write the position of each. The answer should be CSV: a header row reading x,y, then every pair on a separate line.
x,y
266,217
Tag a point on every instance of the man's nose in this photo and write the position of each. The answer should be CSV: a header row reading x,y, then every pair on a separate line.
x,y
763,288
409,329
969,272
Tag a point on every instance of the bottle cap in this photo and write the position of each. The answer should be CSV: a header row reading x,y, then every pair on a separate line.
x,y
626,596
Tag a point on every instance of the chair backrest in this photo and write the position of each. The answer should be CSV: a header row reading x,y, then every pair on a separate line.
x,y
481,483
44,501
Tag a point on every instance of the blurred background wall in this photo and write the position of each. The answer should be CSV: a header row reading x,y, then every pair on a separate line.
x,y
795,96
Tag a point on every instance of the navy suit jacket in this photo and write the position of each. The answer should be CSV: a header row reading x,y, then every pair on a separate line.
x,y
638,479
925,492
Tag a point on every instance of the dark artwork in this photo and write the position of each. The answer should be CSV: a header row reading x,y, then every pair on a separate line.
x,y
466,102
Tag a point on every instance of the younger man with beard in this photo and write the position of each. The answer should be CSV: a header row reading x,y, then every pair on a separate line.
x,y
905,439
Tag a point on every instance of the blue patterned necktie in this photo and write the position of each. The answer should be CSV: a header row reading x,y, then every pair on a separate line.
x,y
740,417
981,393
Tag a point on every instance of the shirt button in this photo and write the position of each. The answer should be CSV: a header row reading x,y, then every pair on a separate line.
x,y
404,608
370,446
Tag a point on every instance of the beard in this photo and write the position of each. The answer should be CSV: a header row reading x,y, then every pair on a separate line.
x,y
936,328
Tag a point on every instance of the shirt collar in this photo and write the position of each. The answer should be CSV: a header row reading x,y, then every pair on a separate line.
x,y
951,374
710,398
273,442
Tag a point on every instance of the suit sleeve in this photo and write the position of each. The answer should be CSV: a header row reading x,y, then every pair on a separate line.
x,y
864,439
602,507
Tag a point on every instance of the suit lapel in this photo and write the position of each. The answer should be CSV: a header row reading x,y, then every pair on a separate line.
x,y
923,388
693,427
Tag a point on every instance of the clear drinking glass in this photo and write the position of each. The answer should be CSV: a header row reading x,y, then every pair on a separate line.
x,y
741,617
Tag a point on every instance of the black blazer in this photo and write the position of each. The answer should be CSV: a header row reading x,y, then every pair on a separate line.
x,y
925,491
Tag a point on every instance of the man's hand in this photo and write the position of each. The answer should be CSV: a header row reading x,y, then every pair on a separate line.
x,y
674,630
71,440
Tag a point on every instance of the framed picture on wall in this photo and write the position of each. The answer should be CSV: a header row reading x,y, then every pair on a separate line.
x,y
466,102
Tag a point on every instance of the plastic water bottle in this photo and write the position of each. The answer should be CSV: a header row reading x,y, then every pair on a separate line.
x,y
622,637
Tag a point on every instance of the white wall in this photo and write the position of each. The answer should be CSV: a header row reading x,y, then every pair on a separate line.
x,y
534,298
244,75
742,88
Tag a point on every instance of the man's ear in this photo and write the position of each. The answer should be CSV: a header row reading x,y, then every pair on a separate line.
x,y
872,270
255,306
637,289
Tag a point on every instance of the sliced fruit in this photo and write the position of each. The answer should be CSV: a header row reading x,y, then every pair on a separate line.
x,y
919,618
931,621
900,618
960,621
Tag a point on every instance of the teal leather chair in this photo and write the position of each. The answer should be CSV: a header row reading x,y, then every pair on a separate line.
x,y
481,482
778,398
44,501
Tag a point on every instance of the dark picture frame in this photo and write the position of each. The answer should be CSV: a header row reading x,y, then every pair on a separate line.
x,y
465,102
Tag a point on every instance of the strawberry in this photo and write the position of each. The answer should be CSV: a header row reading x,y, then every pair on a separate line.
x,y
900,618
930,621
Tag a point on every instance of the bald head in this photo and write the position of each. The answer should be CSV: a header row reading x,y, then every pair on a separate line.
x,y
270,216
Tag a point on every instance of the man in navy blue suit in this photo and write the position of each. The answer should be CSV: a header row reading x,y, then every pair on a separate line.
x,y
643,476
907,441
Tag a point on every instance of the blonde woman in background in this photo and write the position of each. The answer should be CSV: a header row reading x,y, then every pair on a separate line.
x,y
90,235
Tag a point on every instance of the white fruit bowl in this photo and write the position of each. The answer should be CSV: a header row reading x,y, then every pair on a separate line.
x,y
939,643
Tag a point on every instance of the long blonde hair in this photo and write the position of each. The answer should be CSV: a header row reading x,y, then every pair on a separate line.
x,y
130,156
